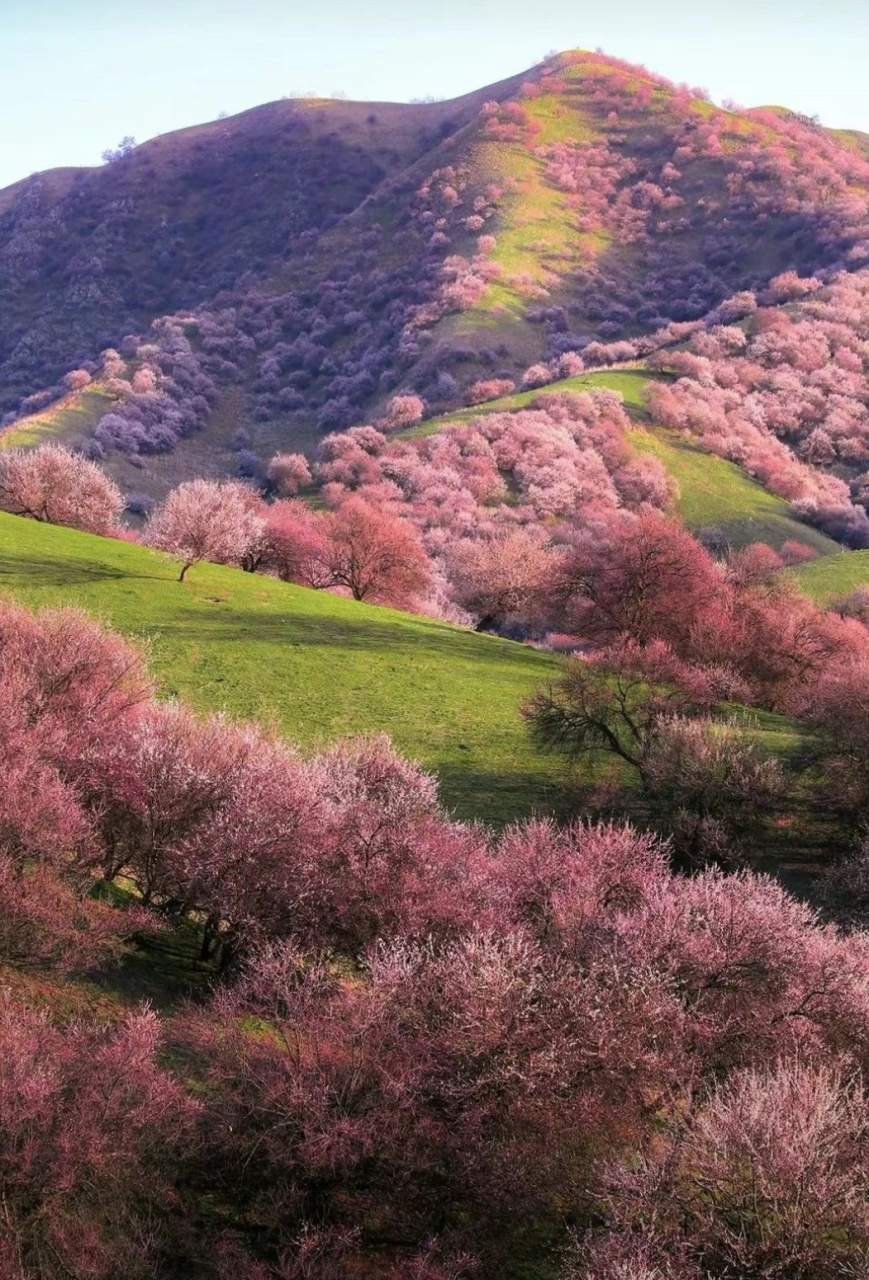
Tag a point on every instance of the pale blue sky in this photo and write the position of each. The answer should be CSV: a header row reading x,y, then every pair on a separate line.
x,y
76,75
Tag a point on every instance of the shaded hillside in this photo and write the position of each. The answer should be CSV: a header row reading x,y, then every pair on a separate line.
x,y
90,254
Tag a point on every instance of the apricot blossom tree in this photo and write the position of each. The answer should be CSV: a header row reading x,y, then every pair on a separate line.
x,y
204,520
52,484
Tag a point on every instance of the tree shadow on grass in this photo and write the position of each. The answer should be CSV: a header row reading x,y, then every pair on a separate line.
x,y
505,797
162,969
390,636
49,571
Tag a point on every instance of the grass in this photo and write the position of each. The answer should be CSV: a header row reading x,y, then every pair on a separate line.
x,y
630,383
537,240
316,666
76,414
537,236
714,492
834,577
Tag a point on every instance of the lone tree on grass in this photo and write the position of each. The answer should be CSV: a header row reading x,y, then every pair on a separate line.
x,y
202,520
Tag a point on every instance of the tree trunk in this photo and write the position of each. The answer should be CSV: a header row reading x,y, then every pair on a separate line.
x,y
230,954
209,933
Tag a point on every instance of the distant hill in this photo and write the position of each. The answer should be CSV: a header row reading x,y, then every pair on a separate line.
x,y
89,254
320,255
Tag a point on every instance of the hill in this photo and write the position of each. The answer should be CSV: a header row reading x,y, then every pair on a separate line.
x,y
716,494
629,383
316,666
317,256
90,254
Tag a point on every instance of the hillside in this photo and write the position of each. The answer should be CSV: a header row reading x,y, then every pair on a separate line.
x,y
319,255
833,578
64,421
713,493
716,494
629,383
316,666
90,254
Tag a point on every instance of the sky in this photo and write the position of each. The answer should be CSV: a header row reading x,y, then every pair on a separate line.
x,y
78,75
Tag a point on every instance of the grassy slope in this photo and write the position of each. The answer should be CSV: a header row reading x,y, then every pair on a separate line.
x,y
537,237
712,491
208,453
76,414
836,576
540,244
316,666
630,383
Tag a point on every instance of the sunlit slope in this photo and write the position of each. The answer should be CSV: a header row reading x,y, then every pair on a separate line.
x,y
60,423
834,577
315,665
716,494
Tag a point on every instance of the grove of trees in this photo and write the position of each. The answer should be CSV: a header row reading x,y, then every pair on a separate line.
x,y
429,1050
